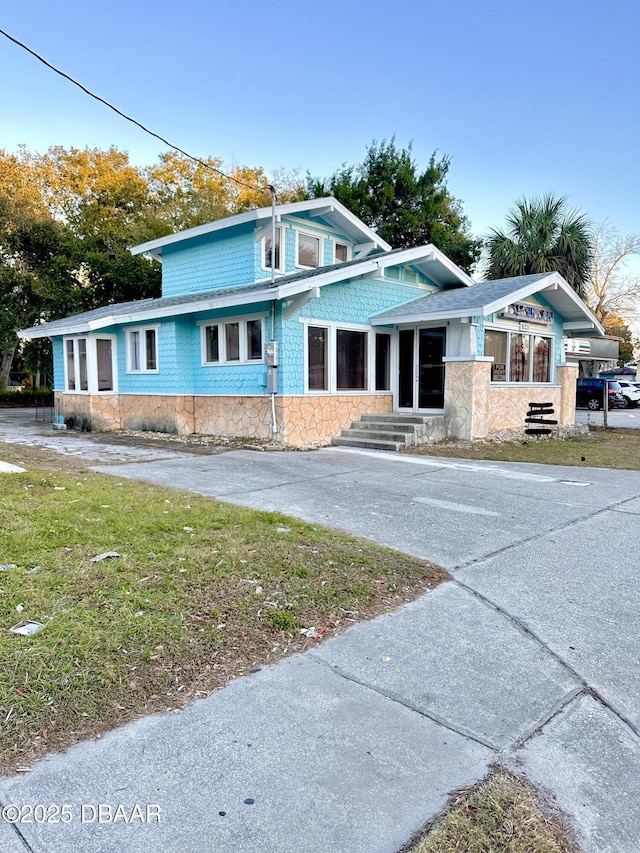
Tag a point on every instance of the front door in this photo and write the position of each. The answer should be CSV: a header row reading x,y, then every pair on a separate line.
x,y
420,368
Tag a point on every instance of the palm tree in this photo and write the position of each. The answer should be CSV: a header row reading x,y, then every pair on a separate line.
x,y
543,235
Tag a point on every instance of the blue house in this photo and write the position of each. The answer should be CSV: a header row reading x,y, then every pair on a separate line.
x,y
294,327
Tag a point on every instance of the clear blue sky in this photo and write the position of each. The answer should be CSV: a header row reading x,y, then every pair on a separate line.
x,y
524,98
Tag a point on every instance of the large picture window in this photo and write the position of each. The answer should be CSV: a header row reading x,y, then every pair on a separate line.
x,y
518,357
90,364
233,341
347,360
351,360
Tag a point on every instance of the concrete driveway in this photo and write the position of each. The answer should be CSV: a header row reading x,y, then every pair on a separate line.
x,y
528,656
619,418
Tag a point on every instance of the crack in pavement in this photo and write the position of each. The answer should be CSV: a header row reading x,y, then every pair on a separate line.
x,y
392,697
527,631
15,826
536,536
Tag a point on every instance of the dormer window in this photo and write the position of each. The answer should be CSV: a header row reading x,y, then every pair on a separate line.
x,y
267,253
308,250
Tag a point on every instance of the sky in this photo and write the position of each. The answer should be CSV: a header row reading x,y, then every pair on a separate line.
x,y
525,98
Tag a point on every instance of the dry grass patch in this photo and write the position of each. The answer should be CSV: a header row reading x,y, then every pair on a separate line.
x,y
202,592
501,815
601,449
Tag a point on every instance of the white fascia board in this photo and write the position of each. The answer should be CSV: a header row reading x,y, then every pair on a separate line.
x,y
454,268
356,271
401,319
424,254
32,334
210,304
197,231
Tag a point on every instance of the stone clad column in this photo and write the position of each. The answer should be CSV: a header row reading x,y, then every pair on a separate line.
x,y
466,396
567,377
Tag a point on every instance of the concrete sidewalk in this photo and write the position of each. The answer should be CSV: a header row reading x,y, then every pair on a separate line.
x,y
529,655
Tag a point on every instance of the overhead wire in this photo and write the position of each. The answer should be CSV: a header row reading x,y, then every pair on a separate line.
x,y
267,187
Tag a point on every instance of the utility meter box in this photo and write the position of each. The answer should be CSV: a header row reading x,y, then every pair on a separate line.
x,y
272,380
271,353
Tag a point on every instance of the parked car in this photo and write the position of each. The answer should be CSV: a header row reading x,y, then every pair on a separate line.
x,y
590,393
631,393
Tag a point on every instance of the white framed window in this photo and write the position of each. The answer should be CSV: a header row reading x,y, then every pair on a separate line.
x,y
267,253
232,340
317,349
308,250
352,360
519,356
89,364
142,349
341,253
105,356
343,358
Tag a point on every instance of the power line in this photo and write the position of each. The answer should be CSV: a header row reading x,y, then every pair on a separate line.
x,y
267,187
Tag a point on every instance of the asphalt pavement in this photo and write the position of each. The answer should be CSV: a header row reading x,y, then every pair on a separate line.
x,y
528,656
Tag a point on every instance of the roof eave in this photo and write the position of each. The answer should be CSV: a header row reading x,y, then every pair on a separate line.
x,y
325,205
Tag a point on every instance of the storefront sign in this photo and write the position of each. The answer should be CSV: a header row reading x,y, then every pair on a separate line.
x,y
576,346
532,313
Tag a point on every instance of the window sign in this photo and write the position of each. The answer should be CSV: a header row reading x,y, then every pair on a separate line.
x,y
498,372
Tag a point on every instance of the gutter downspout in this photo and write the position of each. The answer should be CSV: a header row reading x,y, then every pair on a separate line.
x,y
272,190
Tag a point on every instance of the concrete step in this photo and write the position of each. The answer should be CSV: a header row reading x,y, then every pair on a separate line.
x,y
390,431
368,443
384,426
384,432
398,418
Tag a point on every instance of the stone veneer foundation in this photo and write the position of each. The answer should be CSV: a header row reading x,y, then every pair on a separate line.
x,y
312,420
475,408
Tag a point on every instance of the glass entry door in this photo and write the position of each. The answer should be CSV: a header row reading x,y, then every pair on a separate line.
x,y
420,368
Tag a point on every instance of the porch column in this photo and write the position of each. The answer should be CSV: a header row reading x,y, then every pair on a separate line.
x,y
466,396
567,376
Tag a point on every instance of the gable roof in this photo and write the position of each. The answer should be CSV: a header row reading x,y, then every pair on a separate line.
x,y
429,260
487,297
329,209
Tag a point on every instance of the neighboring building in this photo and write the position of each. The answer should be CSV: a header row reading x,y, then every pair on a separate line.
x,y
348,327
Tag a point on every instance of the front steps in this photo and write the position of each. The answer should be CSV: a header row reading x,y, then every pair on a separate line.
x,y
392,431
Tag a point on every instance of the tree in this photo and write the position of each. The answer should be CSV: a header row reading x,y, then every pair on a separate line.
x,y
543,235
404,206
36,274
186,193
69,216
612,289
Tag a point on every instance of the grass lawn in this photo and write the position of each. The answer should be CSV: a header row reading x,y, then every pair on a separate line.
x,y
202,592
501,815
601,449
